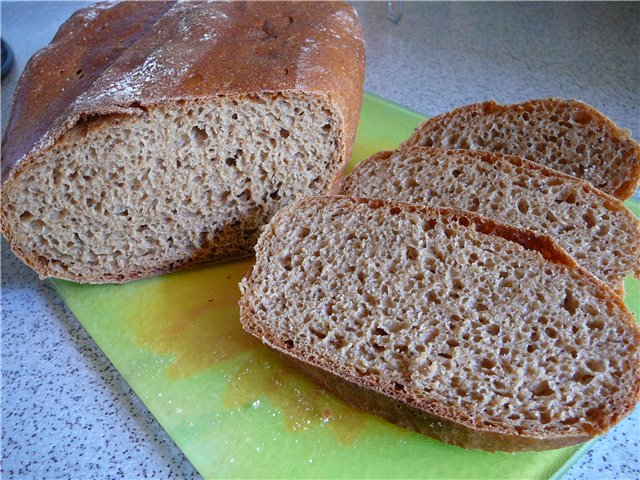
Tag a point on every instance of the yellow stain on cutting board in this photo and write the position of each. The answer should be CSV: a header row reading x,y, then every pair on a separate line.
x,y
195,321
303,404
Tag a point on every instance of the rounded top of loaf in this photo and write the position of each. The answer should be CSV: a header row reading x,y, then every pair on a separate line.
x,y
121,57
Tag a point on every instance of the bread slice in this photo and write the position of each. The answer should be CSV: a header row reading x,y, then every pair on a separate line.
x,y
595,228
154,136
477,333
566,135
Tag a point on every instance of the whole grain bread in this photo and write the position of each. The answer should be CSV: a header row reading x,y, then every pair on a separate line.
x,y
477,333
595,228
154,136
566,135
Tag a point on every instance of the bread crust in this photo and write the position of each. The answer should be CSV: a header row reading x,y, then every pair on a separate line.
x,y
143,54
383,399
623,192
492,158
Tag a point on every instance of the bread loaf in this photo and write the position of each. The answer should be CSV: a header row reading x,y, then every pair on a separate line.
x,y
477,333
154,136
595,228
566,135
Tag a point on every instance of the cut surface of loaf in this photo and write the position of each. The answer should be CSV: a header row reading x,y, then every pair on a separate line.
x,y
566,135
595,228
171,137
474,332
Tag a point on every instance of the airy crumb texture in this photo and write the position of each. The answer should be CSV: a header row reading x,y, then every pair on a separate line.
x,y
508,342
566,135
183,183
597,229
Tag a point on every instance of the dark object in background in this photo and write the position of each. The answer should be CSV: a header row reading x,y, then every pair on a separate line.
x,y
7,58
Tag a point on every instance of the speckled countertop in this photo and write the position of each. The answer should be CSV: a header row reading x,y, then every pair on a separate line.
x,y
66,412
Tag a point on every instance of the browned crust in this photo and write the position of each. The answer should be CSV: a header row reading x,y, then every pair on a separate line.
x,y
315,48
492,158
380,397
626,190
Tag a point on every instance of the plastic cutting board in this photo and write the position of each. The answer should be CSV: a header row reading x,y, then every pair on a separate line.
x,y
232,406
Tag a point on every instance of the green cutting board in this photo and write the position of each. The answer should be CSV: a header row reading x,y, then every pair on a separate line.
x,y
234,408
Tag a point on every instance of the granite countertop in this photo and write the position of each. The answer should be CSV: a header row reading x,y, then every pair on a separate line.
x,y
66,411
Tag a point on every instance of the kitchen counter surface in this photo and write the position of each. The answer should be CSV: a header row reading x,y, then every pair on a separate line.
x,y
66,411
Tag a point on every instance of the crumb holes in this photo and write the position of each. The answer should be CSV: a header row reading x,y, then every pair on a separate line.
x,y
452,343
582,118
595,365
542,389
284,133
568,196
428,225
582,377
231,162
543,320
493,329
303,232
570,303
394,210
545,417
456,173
412,253
288,343
397,386
551,332
531,348
523,205
464,221
326,128
433,297
487,363
371,300
590,219
321,335
286,262
445,355
381,332
234,116
569,421
595,324
26,216
198,136
551,217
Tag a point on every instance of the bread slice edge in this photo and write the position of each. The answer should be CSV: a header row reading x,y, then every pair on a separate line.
x,y
382,399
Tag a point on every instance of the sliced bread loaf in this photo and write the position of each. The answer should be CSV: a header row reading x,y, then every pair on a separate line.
x,y
597,229
477,333
154,136
566,135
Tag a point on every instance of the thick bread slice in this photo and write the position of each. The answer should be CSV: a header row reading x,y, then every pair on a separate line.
x,y
595,228
566,135
477,333
154,136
